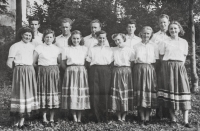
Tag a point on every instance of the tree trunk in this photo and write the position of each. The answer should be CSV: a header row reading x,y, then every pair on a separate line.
x,y
18,15
194,77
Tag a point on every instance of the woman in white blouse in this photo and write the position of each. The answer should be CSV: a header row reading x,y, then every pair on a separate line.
x,y
121,85
144,76
75,89
100,57
174,93
24,86
48,57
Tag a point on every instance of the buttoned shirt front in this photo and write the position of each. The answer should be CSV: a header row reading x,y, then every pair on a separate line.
x,y
62,41
75,55
174,49
132,40
100,55
48,54
123,56
22,53
90,41
145,53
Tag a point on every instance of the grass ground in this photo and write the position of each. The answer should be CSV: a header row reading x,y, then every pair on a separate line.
x,y
112,125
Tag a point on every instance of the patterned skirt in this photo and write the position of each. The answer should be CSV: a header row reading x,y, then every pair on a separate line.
x,y
144,86
48,87
99,83
174,89
121,89
75,89
24,91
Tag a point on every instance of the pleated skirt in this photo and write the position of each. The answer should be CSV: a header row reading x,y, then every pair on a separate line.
x,y
144,86
48,82
100,84
24,98
174,91
121,89
75,89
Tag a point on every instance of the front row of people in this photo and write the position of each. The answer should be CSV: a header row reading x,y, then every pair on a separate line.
x,y
101,78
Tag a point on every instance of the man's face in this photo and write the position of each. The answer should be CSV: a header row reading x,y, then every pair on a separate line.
x,y
95,27
65,27
34,25
131,28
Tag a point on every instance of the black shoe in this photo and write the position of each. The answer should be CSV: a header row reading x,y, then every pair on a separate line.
x,y
141,123
21,127
146,123
187,125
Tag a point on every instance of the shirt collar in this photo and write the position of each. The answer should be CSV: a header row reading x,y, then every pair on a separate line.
x,y
130,37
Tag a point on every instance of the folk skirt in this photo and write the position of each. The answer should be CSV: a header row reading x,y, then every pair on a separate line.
x,y
24,98
121,89
100,84
48,82
144,86
75,89
174,91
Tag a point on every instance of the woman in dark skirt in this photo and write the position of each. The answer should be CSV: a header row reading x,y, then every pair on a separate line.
x,y
174,93
75,89
48,57
24,88
100,57
144,75
122,85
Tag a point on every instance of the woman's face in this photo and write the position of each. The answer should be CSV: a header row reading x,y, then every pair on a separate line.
x,y
49,38
101,39
146,35
76,39
119,41
26,37
174,30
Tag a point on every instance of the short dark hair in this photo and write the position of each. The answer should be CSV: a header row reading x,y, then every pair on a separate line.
x,y
119,34
70,43
181,33
23,30
48,31
66,20
34,18
163,16
96,21
131,21
98,33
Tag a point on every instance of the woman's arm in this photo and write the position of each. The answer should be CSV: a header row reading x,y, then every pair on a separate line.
x,y
35,58
10,62
59,60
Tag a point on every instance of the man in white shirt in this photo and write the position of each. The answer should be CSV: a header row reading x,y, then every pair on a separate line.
x,y
34,23
91,40
131,38
65,26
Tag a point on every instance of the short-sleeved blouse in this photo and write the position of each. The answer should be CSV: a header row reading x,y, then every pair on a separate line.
x,y
48,54
22,53
75,55
123,56
100,55
145,53
174,49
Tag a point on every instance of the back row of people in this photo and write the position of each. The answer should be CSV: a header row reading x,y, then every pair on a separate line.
x,y
131,82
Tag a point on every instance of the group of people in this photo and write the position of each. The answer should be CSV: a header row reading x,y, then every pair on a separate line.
x,y
78,73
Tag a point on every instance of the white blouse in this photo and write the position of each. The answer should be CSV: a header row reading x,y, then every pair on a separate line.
x,y
48,54
100,55
75,55
132,41
145,53
123,56
174,49
22,53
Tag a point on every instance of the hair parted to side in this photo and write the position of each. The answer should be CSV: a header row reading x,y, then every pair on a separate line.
x,y
98,33
181,33
146,28
66,20
34,18
96,21
48,31
119,34
23,30
164,16
70,43
131,21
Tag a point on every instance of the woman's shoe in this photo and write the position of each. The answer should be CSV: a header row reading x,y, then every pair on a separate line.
x,y
187,125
